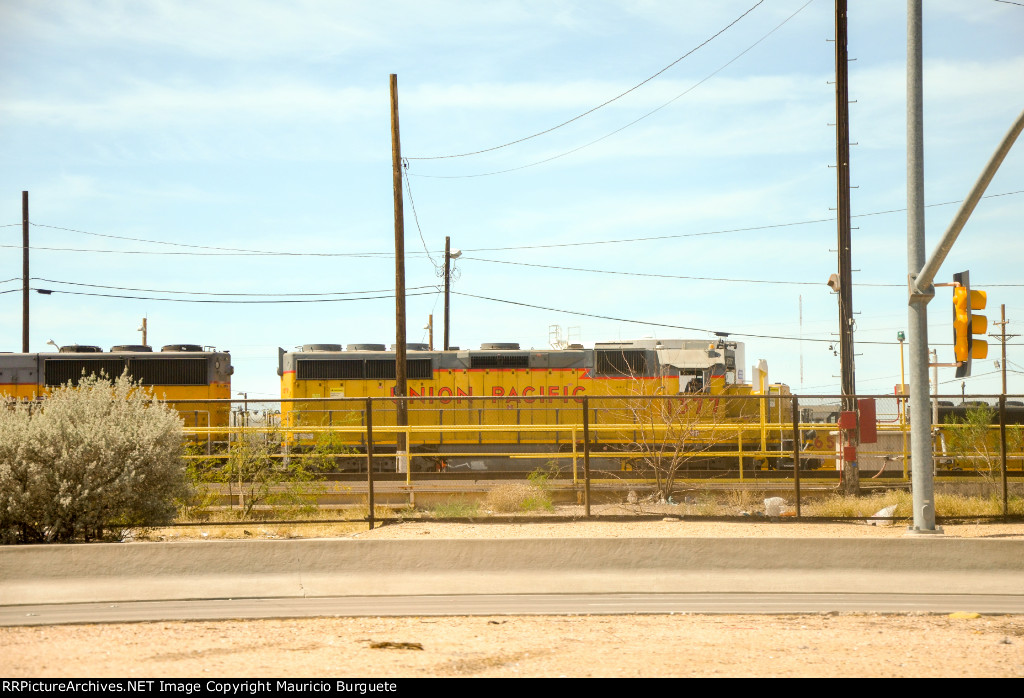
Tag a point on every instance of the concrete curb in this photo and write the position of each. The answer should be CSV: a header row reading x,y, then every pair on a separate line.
x,y
309,568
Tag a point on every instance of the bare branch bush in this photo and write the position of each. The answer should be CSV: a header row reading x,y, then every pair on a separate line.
x,y
255,465
974,444
670,434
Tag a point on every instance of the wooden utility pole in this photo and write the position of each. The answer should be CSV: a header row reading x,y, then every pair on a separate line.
x,y
430,329
1002,341
401,408
24,272
1002,336
447,285
851,476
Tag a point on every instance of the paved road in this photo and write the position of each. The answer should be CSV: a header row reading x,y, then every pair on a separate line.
x,y
508,604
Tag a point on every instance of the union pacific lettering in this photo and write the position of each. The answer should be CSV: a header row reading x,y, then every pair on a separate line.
x,y
532,393
444,395
564,391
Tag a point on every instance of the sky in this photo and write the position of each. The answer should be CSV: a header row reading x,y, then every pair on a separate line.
x,y
624,169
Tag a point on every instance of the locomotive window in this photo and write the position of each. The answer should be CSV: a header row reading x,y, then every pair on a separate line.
x,y
59,372
168,371
621,362
310,369
499,361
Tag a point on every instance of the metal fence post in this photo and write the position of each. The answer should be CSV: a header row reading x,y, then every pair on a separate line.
x,y
369,458
739,449
586,456
575,471
1002,451
796,450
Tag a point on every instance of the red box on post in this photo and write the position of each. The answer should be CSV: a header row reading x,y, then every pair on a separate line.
x,y
847,420
868,425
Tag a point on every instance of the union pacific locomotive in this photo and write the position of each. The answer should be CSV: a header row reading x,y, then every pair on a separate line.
x,y
178,373
491,403
459,400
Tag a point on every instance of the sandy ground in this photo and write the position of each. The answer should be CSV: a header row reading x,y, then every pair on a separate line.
x,y
573,646
826,645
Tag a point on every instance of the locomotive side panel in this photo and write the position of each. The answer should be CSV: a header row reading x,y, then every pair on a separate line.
x,y
177,378
19,376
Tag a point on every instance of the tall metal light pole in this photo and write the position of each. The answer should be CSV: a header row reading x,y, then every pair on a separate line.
x,y
917,310
922,271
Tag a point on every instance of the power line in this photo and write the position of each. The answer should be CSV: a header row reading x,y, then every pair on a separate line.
x,y
714,232
212,254
247,252
654,324
204,300
631,123
155,242
415,216
211,293
604,104
976,375
668,276
698,278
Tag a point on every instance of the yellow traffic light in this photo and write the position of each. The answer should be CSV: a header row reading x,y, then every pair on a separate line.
x,y
979,325
966,324
961,323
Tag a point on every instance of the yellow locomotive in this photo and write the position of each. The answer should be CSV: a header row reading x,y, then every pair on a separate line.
x,y
180,374
460,400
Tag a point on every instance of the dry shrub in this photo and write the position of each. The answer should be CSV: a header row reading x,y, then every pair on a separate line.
x,y
518,496
100,456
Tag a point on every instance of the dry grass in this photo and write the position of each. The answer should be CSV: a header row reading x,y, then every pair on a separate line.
x,y
226,524
953,500
455,509
518,497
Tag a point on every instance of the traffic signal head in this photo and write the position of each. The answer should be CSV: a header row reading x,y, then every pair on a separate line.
x,y
967,323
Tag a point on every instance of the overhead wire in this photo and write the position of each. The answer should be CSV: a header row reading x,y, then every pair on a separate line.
x,y
155,242
653,324
246,252
212,254
631,123
210,300
665,276
869,284
415,216
211,293
604,104
718,232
